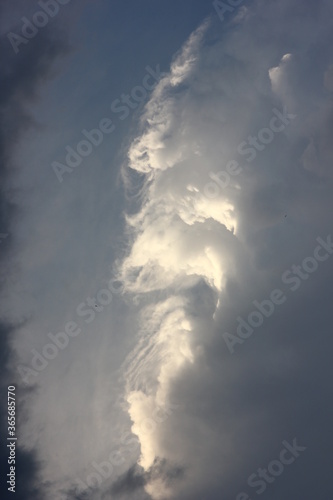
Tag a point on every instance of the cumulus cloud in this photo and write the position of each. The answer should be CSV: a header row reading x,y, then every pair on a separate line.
x,y
219,92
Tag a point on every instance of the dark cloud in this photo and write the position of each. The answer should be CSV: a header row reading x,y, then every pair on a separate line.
x,y
136,478
74,495
21,78
27,464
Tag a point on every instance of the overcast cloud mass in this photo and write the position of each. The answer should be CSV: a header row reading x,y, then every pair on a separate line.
x,y
166,249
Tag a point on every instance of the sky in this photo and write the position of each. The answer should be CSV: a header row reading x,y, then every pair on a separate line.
x,y
166,250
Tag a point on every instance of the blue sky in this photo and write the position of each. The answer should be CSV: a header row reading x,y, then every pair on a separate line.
x,y
166,263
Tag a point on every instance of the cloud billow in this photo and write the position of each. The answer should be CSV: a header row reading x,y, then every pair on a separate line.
x,y
222,90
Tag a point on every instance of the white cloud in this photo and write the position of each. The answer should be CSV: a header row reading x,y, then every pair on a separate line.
x,y
191,126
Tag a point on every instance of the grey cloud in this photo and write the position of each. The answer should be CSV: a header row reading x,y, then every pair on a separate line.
x,y
136,478
21,78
